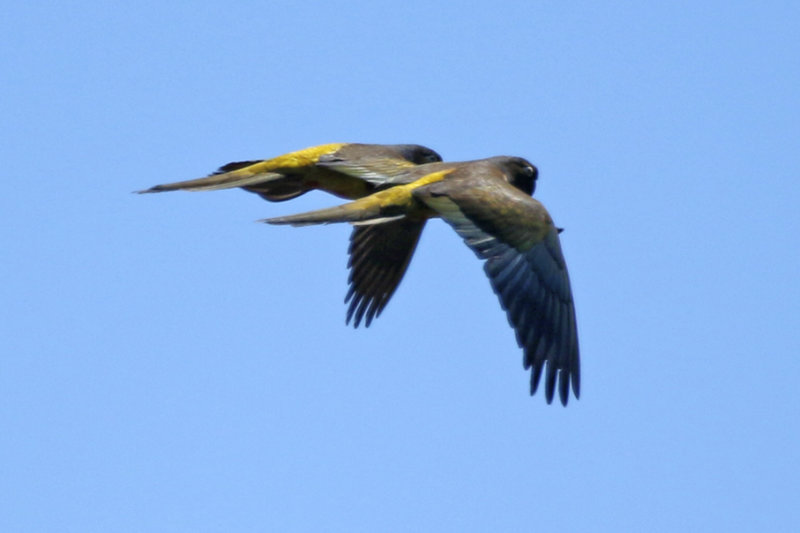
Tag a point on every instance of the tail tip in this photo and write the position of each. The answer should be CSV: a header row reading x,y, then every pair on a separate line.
x,y
157,188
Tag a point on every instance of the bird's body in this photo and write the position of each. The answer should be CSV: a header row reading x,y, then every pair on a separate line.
x,y
336,168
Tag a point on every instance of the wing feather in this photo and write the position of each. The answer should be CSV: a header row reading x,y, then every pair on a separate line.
x,y
524,263
379,258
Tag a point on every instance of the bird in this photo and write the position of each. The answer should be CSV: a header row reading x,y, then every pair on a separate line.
x,y
346,170
489,204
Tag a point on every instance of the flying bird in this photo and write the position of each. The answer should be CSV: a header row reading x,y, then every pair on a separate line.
x,y
488,203
378,257
347,170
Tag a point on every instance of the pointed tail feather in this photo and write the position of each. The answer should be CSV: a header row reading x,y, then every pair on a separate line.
x,y
383,206
380,207
342,213
246,173
251,173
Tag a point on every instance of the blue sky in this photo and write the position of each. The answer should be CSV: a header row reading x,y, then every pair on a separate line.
x,y
170,365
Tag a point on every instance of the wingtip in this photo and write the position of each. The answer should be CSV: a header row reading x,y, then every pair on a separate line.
x,y
562,383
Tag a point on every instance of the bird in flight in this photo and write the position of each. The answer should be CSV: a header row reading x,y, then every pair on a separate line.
x,y
347,170
379,257
488,202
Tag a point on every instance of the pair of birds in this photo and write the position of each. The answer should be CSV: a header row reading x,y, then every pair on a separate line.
x,y
395,189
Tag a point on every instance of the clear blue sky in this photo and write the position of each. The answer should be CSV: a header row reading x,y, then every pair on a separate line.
x,y
170,365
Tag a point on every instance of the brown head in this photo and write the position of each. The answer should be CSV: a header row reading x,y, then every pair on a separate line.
x,y
520,172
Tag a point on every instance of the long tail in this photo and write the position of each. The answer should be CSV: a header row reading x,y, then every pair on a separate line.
x,y
238,174
383,206
249,173
380,207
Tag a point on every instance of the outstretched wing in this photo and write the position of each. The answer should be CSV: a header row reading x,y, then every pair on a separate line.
x,y
525,265
379,257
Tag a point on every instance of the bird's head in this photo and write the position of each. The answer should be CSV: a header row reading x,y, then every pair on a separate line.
x,y
417,154
519,172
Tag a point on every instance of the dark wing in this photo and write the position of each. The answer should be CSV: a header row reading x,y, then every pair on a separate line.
x,y
379,257
515,235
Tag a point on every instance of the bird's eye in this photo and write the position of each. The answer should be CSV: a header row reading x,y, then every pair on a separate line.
x,y
431,157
